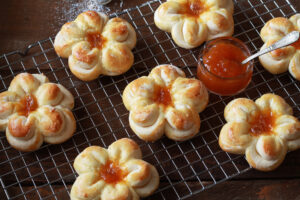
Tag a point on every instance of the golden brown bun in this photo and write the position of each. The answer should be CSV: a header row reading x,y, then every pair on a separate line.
x,y
51,120
284,59
96,45
212,20
139,178
264,151
150,117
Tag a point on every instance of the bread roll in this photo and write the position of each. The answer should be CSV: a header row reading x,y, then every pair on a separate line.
x,y
191,22
96,45
34,110
283,59
264,130
114,173
165,102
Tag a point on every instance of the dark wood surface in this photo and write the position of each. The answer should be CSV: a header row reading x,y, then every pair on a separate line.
x,y
25,22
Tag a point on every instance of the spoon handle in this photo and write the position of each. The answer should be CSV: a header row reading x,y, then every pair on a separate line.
x,y
285,41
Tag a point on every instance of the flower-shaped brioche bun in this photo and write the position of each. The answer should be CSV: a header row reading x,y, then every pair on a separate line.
x,y
264,130
114,173
191,22
165,102
96,45
34,110
283,59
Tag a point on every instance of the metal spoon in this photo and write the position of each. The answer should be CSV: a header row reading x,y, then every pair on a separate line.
x,y
285,41
104,2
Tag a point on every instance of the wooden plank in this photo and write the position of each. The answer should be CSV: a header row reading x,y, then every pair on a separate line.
x,y
254,189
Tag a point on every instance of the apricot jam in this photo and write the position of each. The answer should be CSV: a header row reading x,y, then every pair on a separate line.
x,y
220,68
27,105
262,123
193,8
111,173
162,96
96,40
296,45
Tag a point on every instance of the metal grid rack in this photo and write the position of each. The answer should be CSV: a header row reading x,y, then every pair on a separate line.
x,y
185,168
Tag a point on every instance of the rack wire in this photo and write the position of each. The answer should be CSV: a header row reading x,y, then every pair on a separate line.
x,y
185,168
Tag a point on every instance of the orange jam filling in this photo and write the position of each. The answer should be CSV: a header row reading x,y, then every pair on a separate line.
x,y
296,44
96,40
111,173
193,8
162,96
262,123
27,104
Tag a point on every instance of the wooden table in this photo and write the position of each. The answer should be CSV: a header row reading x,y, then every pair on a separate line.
x,y
25,22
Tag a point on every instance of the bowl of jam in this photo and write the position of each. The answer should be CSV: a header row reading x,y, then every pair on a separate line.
x,y
220,69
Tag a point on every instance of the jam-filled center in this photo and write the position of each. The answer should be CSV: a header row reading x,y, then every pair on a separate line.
x,y
112,173
262,123
96,40
193,8
162,96
27,104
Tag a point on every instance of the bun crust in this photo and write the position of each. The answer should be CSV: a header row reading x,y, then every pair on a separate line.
x,y
284,59
165,102
138,178
96,45
264,130
191,22
34,110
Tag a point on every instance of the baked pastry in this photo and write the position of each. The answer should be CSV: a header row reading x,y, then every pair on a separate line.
x,y
165,102
283,59
114,173
96,45
34,110
264,130
191,22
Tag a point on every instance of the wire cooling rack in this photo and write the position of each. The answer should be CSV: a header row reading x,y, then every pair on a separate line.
x,y
185,168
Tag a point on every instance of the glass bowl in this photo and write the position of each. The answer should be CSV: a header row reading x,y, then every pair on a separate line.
x,y
225,86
